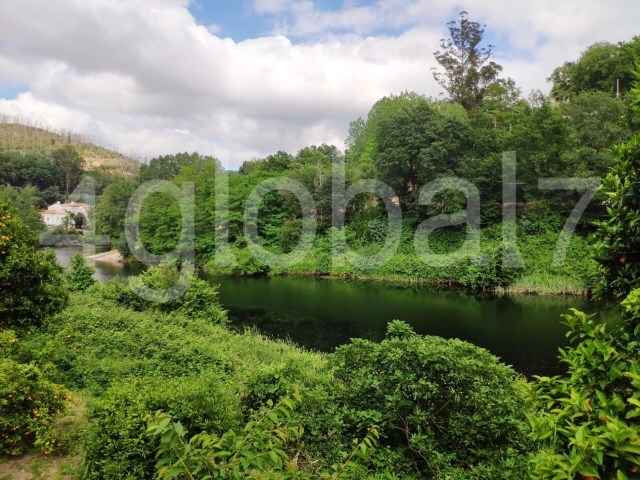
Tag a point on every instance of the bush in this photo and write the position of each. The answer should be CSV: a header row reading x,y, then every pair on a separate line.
x,y
618,248
29,406
32,276
80,275
94,343
589,422
449,405
200,300
115,444
263,448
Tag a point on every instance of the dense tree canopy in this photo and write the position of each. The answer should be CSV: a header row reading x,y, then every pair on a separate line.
x,y
599,69
71,164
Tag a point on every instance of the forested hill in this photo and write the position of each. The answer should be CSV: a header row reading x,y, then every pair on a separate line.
x,y
25,139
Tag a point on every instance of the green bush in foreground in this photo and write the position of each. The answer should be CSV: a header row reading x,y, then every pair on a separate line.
x,y
31,281
261,449
445,408
451,407
115,444
618,248
589,422
29,406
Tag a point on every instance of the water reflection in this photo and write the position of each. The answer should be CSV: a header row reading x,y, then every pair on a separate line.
x,y
322,314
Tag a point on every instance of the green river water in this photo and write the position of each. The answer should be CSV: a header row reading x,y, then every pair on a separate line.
x,y
320,314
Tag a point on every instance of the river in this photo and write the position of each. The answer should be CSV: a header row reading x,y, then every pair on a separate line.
x,y
320,314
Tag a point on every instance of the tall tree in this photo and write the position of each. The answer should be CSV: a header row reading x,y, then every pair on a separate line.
x,y
112,207
467,69
70,163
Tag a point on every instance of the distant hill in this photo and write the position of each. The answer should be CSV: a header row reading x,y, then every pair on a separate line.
x,y
16,137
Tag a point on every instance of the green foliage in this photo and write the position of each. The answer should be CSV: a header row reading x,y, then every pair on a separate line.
x,y
22,203
115,444
598,69
618,236
260,450
135,363
71,165
80,275
168,166
200,300
29,406
413,142
160,224
448,404
259,447
112,206
483,270
467,70
588,422
19,170
245,264
30,279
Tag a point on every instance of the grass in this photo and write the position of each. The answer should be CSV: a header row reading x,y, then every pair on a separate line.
x,y
538,276
544,283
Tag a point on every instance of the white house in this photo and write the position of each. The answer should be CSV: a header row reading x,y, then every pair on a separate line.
x,y
59,214
72,207
56,218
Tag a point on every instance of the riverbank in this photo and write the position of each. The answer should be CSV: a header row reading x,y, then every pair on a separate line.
x,y
544,286
112,256
481,270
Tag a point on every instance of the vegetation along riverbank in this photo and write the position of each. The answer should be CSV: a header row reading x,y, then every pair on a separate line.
x,y
140,378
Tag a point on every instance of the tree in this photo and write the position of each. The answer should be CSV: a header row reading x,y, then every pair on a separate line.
x,y
112,208
599,69
168,166
30,279
588,422
23,170
80,274
70,163
455,410
23,203
467,69
414,142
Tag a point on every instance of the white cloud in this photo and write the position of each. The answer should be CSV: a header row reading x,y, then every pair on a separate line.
x,y
144,77
270,6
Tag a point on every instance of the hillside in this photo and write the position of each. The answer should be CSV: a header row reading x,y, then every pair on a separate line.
x,y
28,139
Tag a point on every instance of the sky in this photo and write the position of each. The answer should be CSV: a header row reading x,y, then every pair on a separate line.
x,y
242,79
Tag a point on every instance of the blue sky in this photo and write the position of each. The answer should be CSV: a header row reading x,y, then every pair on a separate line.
x,y
9,91
239,20
236,18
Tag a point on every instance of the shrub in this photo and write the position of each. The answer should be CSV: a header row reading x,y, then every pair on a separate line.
x,y
30,279
29,406
94,342
618,247
263,448
451,406
200,300
115,444
589,422
80,275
